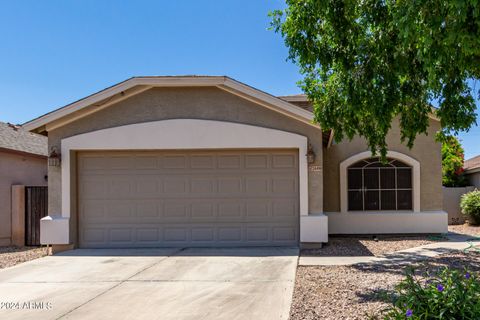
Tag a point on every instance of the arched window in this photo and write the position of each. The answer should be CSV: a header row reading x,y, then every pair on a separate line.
x,y
373,185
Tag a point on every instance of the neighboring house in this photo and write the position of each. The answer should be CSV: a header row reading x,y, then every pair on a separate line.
x,y
472,171
23,161
209,161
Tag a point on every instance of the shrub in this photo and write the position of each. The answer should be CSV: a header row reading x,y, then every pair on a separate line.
x,y
449,294
470,204
452,163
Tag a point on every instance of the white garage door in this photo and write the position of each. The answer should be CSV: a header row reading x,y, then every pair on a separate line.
x,y
188,198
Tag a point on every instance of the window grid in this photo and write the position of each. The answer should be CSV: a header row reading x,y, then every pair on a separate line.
x,y
368,166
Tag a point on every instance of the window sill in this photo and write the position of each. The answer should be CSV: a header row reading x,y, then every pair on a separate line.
x,y
380,211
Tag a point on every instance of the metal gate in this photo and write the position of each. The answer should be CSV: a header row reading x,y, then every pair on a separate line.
x,y
36,207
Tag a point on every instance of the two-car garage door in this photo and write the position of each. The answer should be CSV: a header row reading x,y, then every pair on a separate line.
x,y
188,198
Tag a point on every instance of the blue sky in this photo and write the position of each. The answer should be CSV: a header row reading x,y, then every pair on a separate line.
x,y
55,52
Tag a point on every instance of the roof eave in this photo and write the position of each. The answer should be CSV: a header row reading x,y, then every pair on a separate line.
x,y
23,153
472,170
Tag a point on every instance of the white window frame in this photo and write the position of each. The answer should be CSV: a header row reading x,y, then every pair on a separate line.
x,y
414,164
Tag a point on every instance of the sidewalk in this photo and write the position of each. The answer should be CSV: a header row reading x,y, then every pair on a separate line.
x,y
455,242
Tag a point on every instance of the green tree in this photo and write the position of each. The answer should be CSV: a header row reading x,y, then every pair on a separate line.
x,y
366,62
452,163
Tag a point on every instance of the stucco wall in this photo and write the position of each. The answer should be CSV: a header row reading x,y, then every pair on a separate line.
x,y
426,150
17,168
451,203
186,103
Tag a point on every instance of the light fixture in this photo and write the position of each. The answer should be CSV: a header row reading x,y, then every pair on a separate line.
x,y
310,154
54,158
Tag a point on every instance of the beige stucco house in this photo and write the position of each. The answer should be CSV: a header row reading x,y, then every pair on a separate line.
x,y
23,161
209,161
472,171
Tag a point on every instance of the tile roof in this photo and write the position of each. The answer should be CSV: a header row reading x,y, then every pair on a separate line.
x,y
16,138
472,163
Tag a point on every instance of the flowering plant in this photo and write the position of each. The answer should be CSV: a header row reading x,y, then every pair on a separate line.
x,y
449,294
452,163
470,205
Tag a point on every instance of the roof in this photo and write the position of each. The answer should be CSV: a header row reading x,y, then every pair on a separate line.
x,y
16,138
136,85
472,164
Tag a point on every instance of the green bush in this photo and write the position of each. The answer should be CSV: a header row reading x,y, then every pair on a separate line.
x,y
449,294
470,204
452,163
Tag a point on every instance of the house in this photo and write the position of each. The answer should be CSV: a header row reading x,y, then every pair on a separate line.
x,y
472,171
210,161
23,161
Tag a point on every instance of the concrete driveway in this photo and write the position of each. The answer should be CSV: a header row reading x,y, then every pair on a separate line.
x,y
240,283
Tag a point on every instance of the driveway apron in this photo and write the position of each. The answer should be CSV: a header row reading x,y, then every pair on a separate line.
x,y
193,283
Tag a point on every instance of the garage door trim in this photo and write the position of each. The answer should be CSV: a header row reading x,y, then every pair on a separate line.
x,y
188,198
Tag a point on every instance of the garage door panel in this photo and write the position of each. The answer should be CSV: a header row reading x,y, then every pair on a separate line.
x,y
203,162
121,235
188,198
175,209
284,234
176,234
230,209
256,161
284,161
146,162
166,235
117,210
174,162
145,235
202,185
91,162
285,208
229,185
93,188
203,234
92,209
285,185
203,210
257,209
147,186
147,209
229,161
174,186
257,185
121,162
93,235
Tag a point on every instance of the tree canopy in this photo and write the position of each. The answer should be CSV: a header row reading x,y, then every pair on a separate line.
x,y
365,63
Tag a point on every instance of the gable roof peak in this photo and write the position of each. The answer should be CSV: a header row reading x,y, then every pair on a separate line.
x,y
139,84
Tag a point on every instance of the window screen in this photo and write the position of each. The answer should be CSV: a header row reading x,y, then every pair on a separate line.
x,y
373,185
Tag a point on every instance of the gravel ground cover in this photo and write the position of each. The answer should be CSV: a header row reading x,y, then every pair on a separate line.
x,y
354,292
465,229
10,256
348,246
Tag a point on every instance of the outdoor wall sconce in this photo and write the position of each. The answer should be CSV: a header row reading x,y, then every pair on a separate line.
x,y
54,158
310,154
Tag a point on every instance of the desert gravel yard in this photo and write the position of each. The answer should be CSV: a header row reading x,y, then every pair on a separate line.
x,y
10,256
350,247
465,229
354,292
363,290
